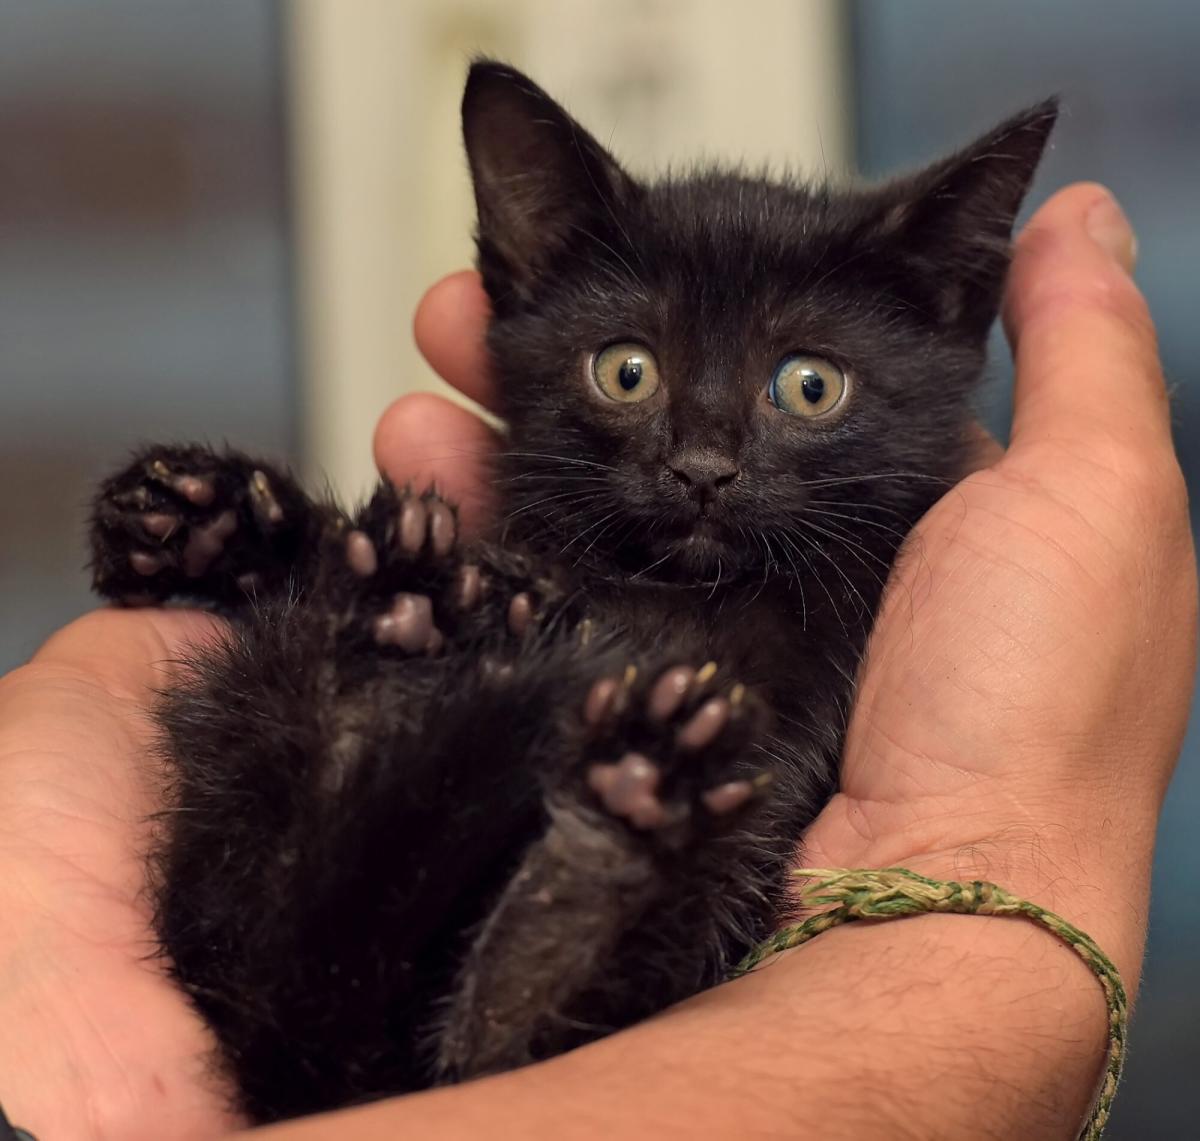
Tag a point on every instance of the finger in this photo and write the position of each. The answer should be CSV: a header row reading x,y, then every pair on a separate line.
x,y
1087,364
426,441
450,326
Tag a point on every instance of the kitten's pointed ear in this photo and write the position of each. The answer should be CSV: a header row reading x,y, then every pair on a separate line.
x,y
955,219
538,175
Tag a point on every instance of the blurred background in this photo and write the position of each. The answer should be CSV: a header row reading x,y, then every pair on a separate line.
x,y
216,220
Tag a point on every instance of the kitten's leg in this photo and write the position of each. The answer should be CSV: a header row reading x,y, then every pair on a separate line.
x,y
647,879
343,819
187,521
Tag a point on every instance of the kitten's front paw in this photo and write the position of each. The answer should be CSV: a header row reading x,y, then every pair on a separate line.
x,y
182,520
404,539
406,546
669,751
402,531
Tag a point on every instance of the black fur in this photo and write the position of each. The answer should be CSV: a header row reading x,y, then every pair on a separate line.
x,y
413,841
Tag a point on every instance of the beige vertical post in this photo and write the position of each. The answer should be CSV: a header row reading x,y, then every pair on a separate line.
x,y
383,204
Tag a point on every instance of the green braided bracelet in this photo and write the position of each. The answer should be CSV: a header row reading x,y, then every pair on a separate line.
x,y
891,893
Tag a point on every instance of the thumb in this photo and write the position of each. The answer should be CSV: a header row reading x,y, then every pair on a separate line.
x,y
1088,375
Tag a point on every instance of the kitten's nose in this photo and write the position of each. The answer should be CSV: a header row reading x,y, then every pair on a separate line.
x,y
703,472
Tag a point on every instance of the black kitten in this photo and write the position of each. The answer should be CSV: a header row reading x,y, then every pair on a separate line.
x,y
442,809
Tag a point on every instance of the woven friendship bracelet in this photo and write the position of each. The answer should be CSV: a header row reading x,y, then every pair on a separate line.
x,y
891,893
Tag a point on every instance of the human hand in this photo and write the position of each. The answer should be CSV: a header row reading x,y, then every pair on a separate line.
x,y
1027,685
1028,681
97,1044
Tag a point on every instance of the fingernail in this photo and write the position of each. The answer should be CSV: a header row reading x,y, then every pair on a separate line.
x,y
1110,229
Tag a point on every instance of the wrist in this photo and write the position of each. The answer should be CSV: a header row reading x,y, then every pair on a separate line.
x,y
940,1025
1088,861
997,1009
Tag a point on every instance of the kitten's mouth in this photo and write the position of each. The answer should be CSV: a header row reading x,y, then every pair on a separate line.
x,y
703,534
700,550
686,550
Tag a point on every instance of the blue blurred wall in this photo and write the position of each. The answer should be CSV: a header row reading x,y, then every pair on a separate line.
x,y
144,279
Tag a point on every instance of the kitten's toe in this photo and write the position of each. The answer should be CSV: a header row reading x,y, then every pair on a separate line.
x,y
411,527
362,557
469,587
723,799
197,487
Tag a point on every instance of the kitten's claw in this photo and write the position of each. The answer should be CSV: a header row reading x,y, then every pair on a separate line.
x,y
197,490
265,506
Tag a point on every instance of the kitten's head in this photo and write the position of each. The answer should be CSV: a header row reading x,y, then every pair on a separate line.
x,y
720,373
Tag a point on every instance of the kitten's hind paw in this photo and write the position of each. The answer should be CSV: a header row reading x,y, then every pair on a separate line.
x,y
681,738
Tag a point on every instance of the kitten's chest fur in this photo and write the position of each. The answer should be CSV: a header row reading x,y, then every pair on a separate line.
x,y
798,653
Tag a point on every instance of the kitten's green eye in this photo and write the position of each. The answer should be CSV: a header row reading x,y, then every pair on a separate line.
x,y
626,372
807,386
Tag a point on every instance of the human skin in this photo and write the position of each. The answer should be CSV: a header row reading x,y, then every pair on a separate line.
x,y
1019,715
